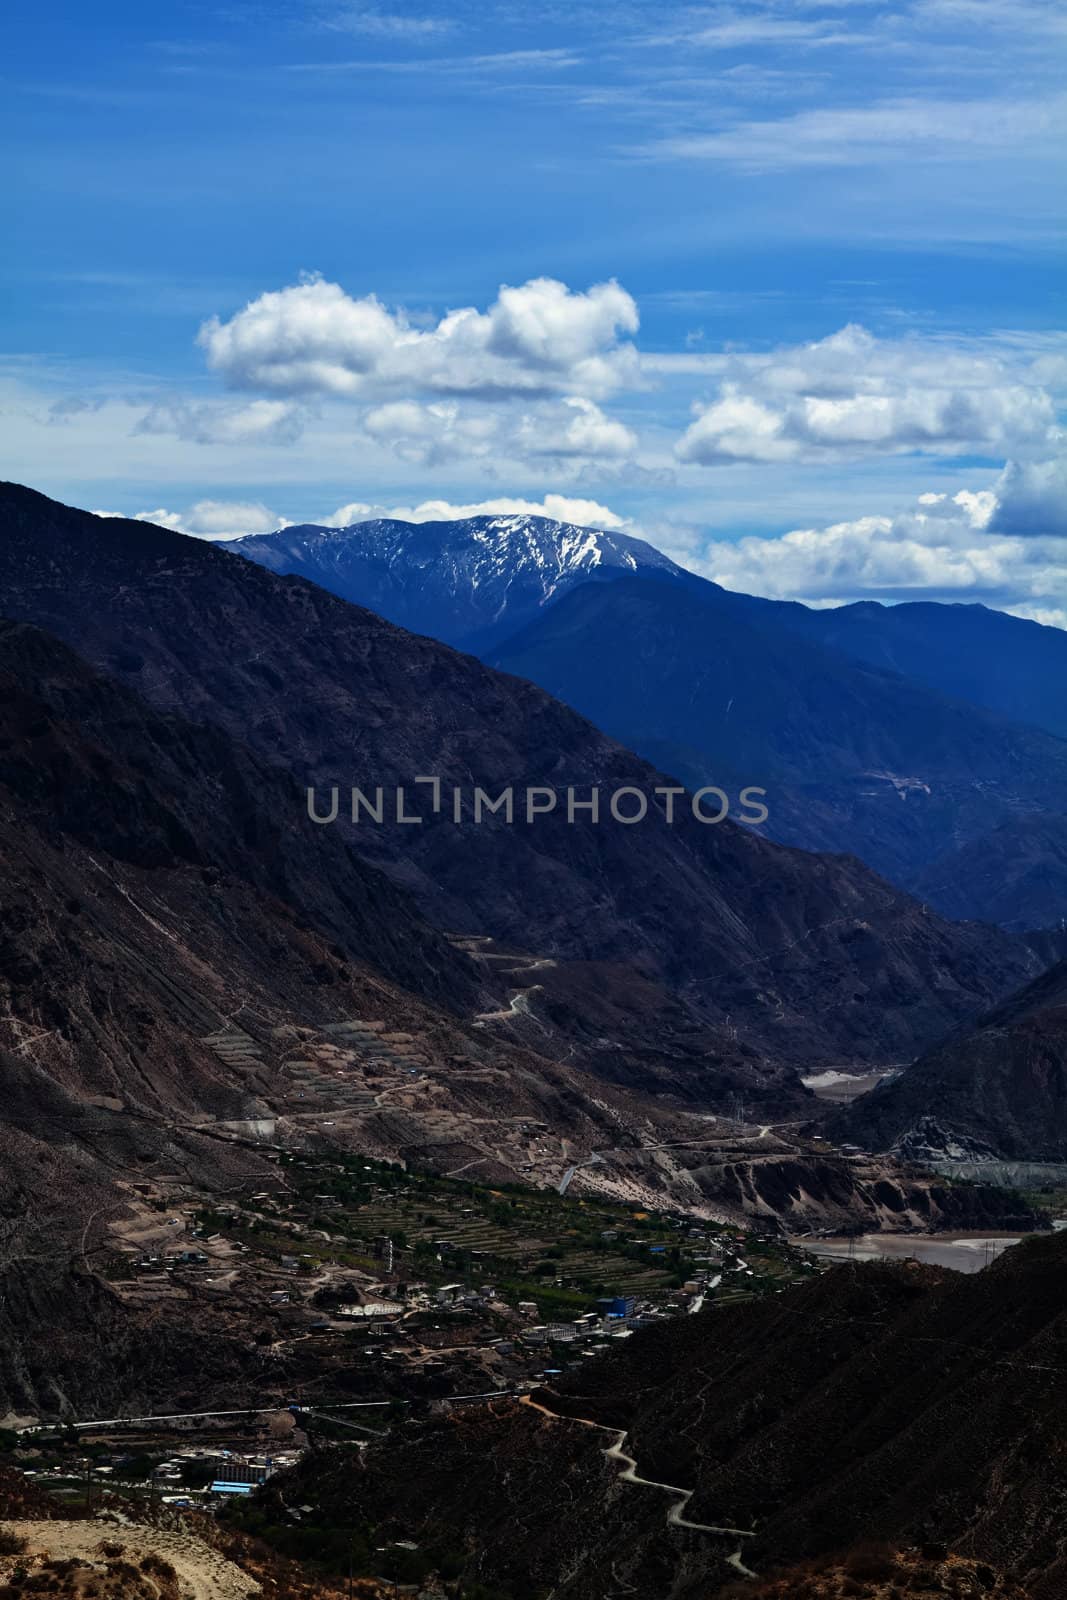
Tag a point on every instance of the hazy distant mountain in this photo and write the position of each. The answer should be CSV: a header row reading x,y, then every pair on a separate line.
x,y
808,957
468,582
1009,664
902,734
720,688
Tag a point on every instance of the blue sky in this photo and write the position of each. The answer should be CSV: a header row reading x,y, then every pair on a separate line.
x,y
784,278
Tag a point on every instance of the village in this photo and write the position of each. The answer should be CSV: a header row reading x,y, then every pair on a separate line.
x,y
378,1295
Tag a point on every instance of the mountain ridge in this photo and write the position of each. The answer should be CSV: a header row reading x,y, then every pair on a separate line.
x,y
852,754
848,711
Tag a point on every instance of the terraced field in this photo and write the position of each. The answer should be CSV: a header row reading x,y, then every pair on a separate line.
x,y
464,1231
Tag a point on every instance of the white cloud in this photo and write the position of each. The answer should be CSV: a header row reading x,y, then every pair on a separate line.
x,y
734,31
368,19
1048,616
853,395
591,433
539,338
1032,498
856,136
736,428
478,70
430,434
443,431
211,519
559,507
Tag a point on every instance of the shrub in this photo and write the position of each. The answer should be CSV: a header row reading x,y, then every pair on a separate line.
x,y
155,1564
873,1563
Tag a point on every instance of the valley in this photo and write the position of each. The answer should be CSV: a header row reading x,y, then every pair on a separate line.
x,y
390,1144
533,801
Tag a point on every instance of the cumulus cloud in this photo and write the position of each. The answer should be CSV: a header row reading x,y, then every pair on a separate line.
x,y
355,511
944,547
1032,498
591,433
852,394
1048,616
430,434
258,422
212,519
538,338
442,430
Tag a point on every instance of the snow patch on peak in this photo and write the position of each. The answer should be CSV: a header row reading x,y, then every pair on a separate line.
x,y
461,580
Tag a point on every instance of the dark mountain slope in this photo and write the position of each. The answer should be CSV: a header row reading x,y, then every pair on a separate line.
x,y
997,1089
468,582
83,754
881,1402
811,957
876,1571
155,884
158,884
714,687
1016,875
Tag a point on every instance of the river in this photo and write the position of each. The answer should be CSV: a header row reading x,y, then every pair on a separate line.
x,y
839,1085
965,1252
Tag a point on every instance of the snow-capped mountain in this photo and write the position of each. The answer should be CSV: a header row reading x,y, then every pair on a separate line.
x,y
470,582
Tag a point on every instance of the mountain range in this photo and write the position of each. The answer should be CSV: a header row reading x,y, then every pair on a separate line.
x,y
908,735
187,962
806,957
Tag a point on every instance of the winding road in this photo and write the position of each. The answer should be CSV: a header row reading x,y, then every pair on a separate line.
x,y
676,1517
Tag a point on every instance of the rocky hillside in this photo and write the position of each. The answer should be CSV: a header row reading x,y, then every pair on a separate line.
x,y
887,1403
807,957
82,754
998,1089
175,949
